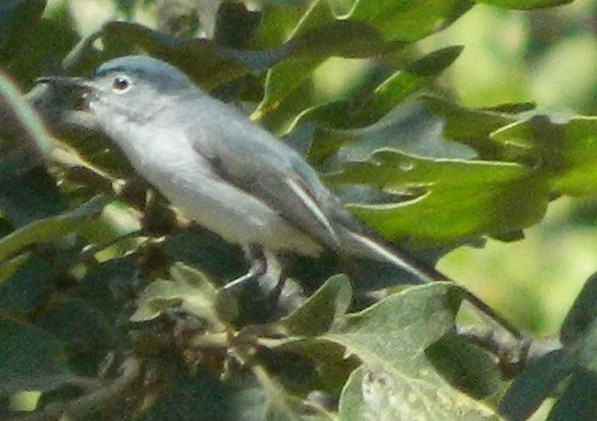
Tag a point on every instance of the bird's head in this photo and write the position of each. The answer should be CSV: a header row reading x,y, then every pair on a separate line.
x,y
127,87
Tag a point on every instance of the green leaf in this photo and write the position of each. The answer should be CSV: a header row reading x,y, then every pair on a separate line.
x,y
533,385
198,396
466,366
278,404
524,4
461,199
472,127
29,196
189,290
566,151
386,96
29,357
16,18
584,350
318,314
309,49
401,84
408,20
342,38
579,400
582,315
397,380
50,229
201,59
41,44
82,327
28,286
8,268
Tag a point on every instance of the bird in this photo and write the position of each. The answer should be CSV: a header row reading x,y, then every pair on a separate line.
x,y
223,170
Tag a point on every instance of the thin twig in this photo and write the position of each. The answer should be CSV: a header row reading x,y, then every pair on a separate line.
x,y
101,397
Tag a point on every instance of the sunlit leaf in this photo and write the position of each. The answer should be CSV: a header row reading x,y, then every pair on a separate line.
x,y
408,20
188,290
397,380
461,198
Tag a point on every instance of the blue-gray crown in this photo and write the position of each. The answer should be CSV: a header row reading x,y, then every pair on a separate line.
x,y
158,73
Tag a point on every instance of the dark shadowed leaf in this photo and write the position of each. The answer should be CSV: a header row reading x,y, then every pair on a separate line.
x,y
83,328
28,355
579,401
533,385
524,4
471,126
566,151
201,59
29,196
16,19
193,396
321,310
28,285
583,313
466,366
50,229
35,138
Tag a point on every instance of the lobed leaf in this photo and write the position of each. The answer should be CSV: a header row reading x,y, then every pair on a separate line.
x,y
397,380
461,198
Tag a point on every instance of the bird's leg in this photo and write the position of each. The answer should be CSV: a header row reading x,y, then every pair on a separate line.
x,y
258,268
258,292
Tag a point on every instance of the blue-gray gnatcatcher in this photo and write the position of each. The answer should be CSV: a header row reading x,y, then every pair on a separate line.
x,y
221,169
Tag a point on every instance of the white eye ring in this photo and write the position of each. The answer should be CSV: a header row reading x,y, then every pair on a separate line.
x,y
121,84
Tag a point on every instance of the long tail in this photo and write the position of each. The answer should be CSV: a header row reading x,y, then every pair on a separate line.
x,y
362,245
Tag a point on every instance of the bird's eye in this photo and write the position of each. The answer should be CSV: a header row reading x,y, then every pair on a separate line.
x,y
121,84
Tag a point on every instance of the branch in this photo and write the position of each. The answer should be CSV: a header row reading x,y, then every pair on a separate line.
x,y
514,354
101,397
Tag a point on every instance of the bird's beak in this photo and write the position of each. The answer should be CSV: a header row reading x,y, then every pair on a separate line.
x,y
75,83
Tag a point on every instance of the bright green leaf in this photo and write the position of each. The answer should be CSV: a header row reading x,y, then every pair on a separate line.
x,y
461,199
408,20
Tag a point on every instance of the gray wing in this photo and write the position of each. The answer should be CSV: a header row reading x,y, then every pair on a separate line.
x,y
246,155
